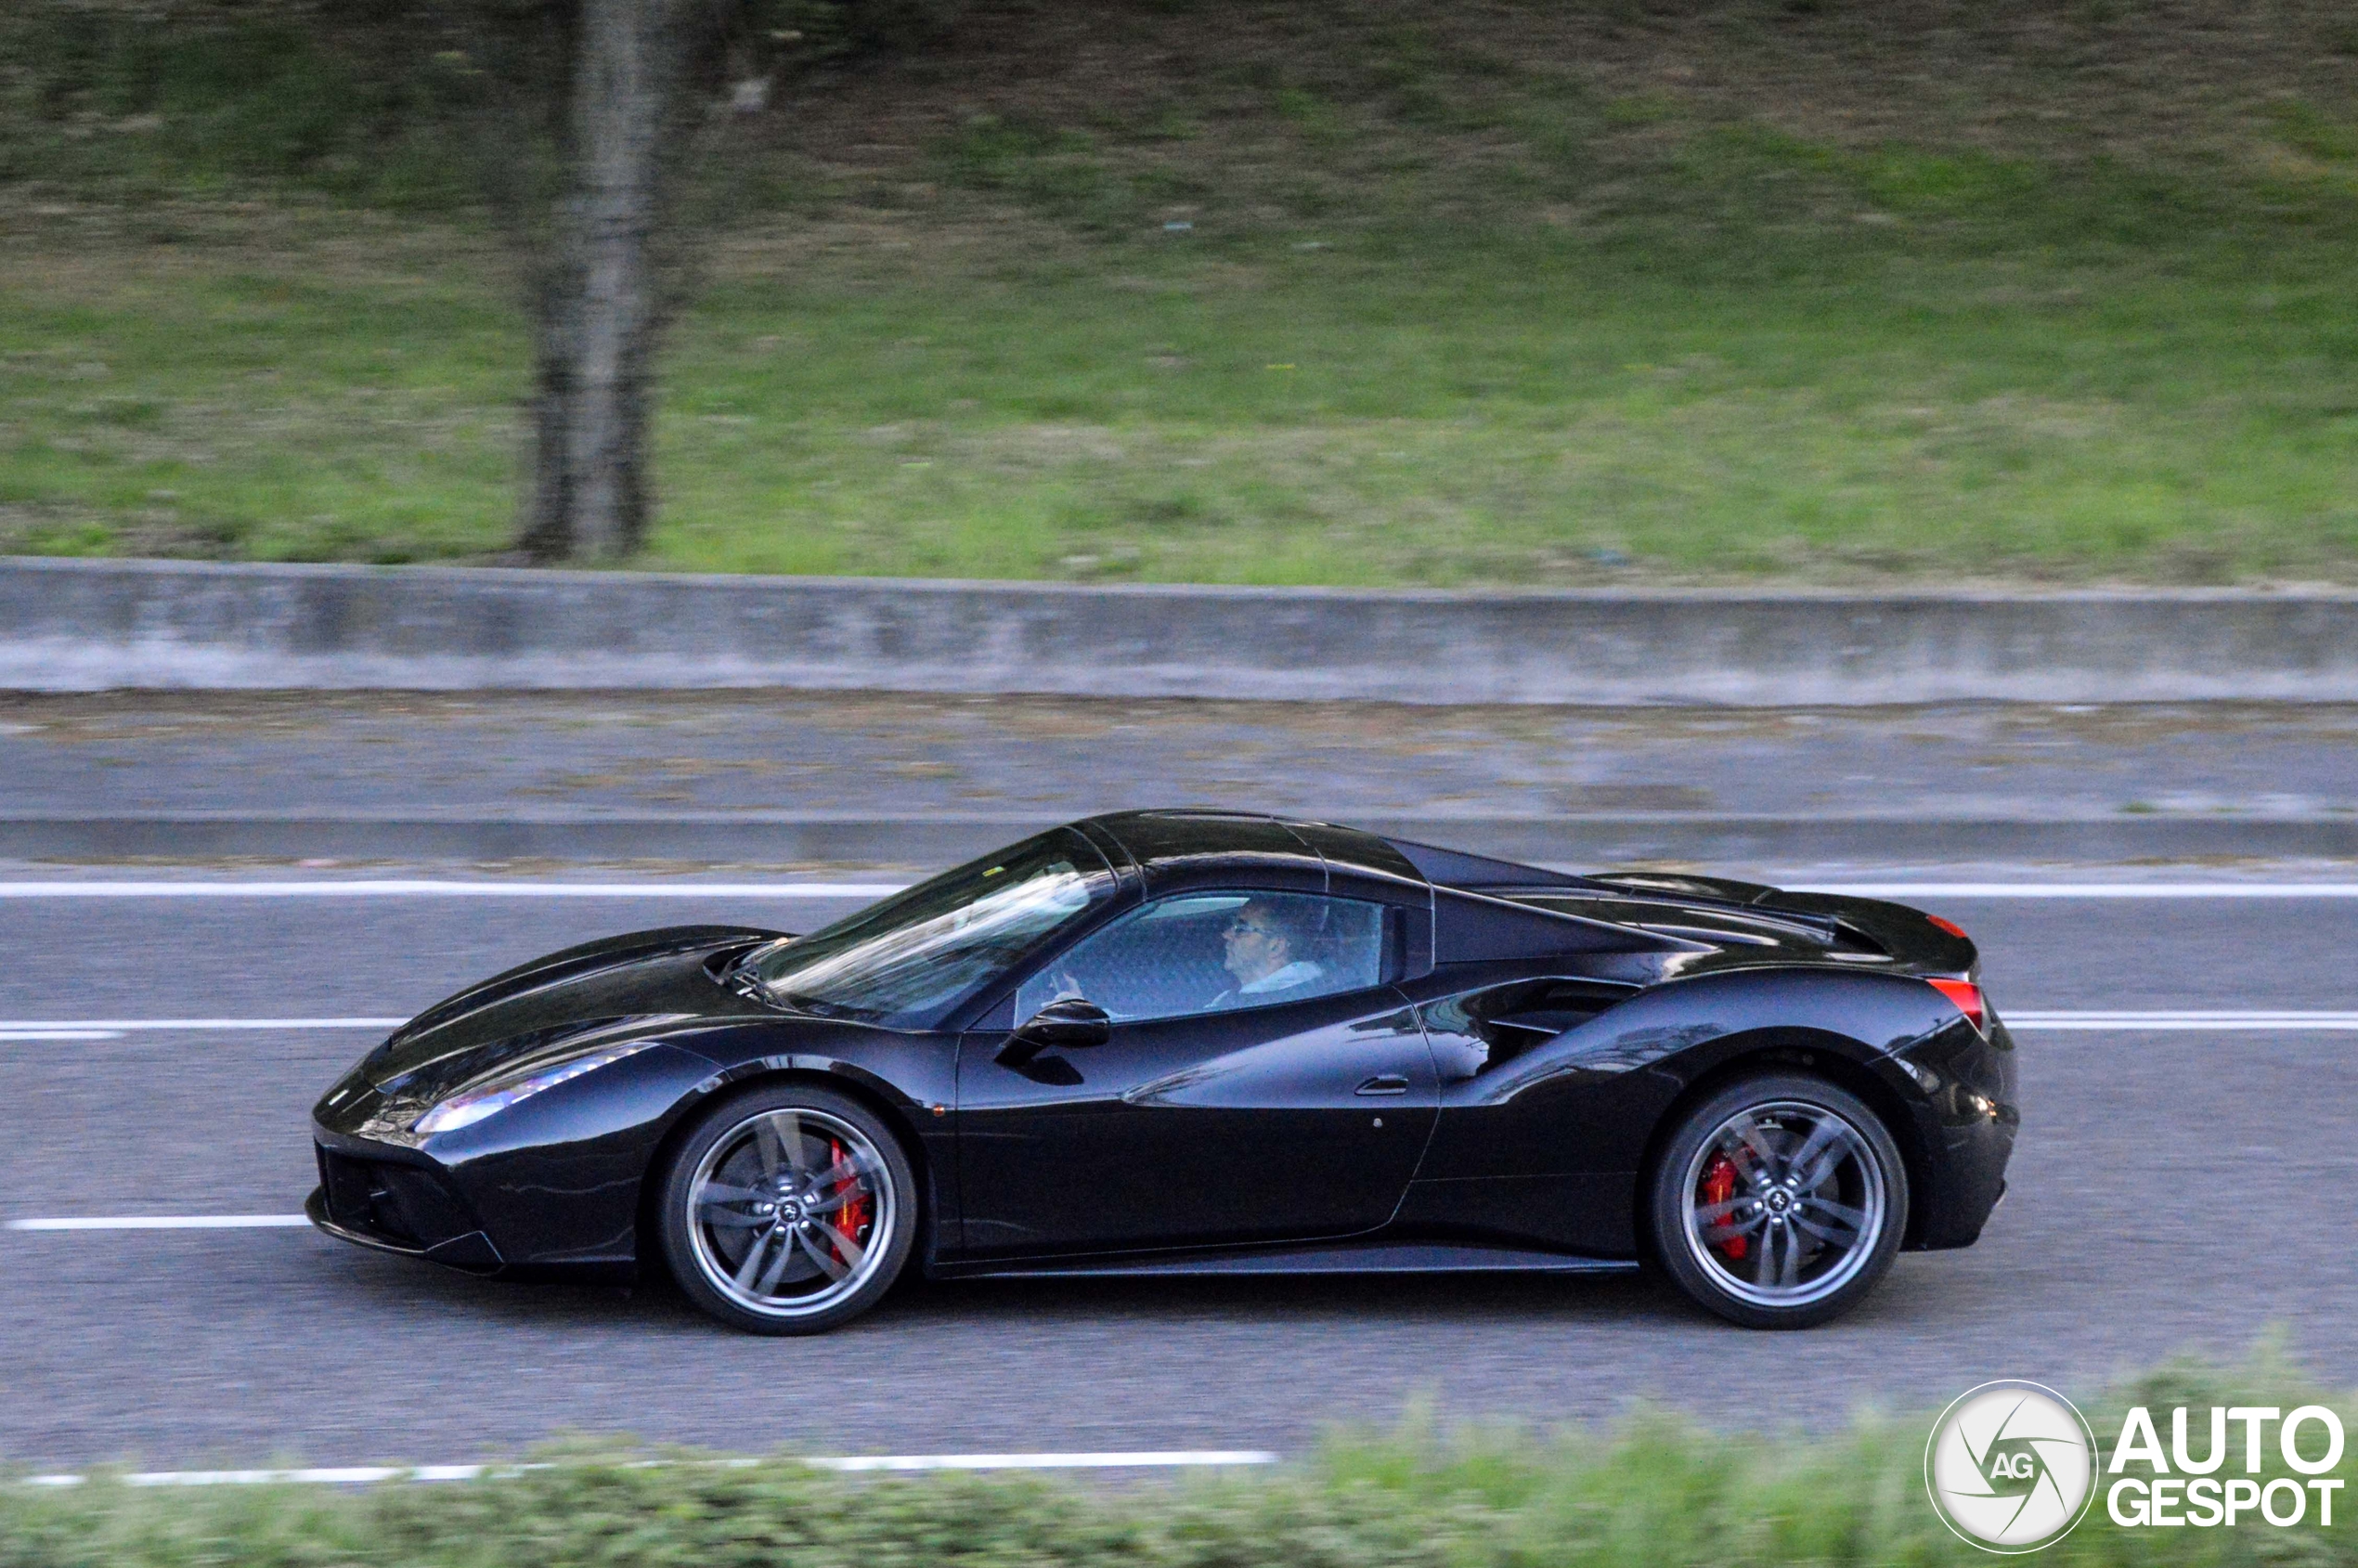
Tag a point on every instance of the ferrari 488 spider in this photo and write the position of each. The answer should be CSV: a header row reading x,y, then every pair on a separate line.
x,y
1204,1042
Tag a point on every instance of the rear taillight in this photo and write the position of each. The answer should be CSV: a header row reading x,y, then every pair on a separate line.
x,y
1950,927
1965,994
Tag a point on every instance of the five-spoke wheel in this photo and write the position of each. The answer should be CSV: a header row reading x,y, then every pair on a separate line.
x,y
788,1209
1778,1201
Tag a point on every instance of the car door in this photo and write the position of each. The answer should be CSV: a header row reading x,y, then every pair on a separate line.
x,y
1539,1122
1249,1090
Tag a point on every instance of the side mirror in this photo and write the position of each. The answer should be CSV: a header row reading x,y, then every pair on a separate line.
x,y
1069,1023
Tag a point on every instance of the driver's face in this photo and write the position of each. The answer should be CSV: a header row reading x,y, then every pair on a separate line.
x,y
1255,945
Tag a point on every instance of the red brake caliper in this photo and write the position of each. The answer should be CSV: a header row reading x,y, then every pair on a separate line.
x,y
1718,1186
853,1218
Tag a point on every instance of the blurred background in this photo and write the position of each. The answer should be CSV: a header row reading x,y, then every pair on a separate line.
x,y
1298,291
1775,303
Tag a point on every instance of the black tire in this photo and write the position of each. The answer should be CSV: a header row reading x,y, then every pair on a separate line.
x,y
1777,1202
789,1209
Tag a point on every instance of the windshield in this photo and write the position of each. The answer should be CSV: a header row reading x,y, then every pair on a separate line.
x,y
905,963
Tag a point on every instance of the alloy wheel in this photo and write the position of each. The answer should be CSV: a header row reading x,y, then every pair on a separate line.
x,y
791,1211
1785,1202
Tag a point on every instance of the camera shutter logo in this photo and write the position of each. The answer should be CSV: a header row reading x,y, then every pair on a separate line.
x,y
2010,1466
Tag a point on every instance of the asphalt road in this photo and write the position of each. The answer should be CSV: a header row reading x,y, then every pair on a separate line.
x,y
2172,1191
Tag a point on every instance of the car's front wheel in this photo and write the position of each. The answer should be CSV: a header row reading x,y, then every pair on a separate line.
x,y
788,1209
1777,1201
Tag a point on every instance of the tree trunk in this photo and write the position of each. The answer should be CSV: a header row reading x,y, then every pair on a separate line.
x,y
596,315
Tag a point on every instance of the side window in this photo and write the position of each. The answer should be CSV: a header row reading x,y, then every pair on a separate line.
x,y
1210,952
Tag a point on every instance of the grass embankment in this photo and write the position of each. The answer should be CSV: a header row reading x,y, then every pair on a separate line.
x,y
1651,1492
1541,295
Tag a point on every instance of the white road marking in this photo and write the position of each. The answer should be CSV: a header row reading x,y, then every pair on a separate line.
x,y
444,887
361,1475
440,888
1909,891
1048,1461
88,1028
2247,1023
2242,1021
166,1222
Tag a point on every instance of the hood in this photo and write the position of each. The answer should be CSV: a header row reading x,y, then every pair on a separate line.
x,y
554,1003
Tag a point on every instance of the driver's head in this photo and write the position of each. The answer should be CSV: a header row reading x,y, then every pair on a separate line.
x,y
1260,941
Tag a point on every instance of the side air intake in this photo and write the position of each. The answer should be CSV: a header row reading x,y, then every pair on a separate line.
x,y
1454,868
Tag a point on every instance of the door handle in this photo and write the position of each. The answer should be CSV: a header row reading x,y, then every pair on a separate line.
x,y
1383,1083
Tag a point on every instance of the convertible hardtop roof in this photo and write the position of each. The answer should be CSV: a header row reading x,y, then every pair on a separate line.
x,y
1197,834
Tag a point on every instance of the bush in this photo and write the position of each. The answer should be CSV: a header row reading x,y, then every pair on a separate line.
x,y
365,101
1654,1491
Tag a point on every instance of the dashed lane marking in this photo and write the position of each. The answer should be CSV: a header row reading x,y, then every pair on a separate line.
x,y
445,888
362,1475
164,1222
1908,891
2238,1023
104,1028
97,1028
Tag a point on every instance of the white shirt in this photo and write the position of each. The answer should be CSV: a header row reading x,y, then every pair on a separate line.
x,y
1300,972
1295,975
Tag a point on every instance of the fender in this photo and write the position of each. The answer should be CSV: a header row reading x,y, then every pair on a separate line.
x,y
1567,1126
559,1181
1588,1099
911,1080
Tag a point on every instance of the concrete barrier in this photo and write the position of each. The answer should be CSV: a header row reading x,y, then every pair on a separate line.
x,y
805,838
91,625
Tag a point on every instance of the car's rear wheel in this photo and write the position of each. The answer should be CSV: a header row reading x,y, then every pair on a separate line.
x,y
1778,1201
788,1209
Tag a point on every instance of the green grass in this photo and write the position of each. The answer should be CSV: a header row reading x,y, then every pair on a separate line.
x,y
194,404
1653,1492
1442,314
135,107
1519,412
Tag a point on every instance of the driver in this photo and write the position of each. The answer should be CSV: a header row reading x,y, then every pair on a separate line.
x,y
1267,951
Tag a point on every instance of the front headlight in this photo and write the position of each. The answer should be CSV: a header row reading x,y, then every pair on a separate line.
x,y
469,1106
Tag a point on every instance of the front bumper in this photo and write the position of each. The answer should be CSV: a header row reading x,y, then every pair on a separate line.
x,y
393,1200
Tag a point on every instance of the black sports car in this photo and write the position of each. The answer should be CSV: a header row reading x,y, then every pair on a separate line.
x,y
1200,1043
